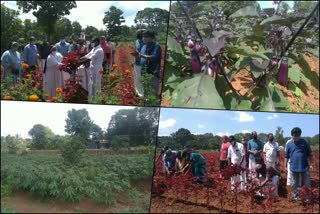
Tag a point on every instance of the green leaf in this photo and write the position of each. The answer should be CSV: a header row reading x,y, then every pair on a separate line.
x,y
249,11
197,92
230,101
279,100
313,52
245,105
266,104
173,45
242,62
245,51
294,74
280,20
295,90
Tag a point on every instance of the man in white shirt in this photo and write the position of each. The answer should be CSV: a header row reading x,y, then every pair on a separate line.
x,y
289,176
236,155
271,151
96,56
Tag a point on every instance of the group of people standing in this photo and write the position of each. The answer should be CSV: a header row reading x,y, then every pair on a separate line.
x,y
262,160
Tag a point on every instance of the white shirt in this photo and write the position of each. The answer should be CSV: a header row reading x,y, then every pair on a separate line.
x,y
96,55
271,150
235,153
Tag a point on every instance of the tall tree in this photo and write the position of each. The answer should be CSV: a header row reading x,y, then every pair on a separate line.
x,y
76,29
303,7
90,30
155,18
63,28
182,136
278,137
47,12
11,27
79,123
41,136
113,19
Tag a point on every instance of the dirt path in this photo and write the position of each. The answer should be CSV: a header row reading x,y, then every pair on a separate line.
x,y
25,202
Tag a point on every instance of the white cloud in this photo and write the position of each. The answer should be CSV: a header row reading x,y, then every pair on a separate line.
x,y
271,117
243,117
223,133
245,131
164,124
201,126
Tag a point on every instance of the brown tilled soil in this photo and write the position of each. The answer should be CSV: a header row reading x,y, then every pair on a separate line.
x,y
24,202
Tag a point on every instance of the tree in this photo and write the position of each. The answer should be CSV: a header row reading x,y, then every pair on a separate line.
x,y
113,19
182,136
31,28
90,30
41,136
155,18
284,8
13,143
118,142
63,28
72,148
97,133
278,137
79,123
303,7
11,27
47,12
76,29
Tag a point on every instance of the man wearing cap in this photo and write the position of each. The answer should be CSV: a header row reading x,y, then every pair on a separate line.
x,y
299,152
30,54
12,63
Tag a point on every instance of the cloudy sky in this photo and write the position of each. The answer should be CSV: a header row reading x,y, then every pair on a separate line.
x,y
268,4
221,122
92,12
19,117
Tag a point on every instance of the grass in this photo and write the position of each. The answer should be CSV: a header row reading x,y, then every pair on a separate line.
x,y
7,209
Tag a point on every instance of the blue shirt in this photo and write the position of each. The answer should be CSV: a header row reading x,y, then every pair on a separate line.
x,y
63,48
153,50
169,162
298,154
138,45
255,146
30,54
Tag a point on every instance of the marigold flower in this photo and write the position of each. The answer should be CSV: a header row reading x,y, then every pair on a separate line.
x,y
100,71
127,71
54,98
28,75
25,65
47,95
126,90
24,85
112,76
114,65
58,90
7,97
34,97
48,101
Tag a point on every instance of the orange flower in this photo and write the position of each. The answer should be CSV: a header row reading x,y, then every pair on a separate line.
x,y
24,85
28,75
127,71
114,65
54,98
47,95
7,97
112,76
25,65
100,71
34,97
48,101
58,90
126,90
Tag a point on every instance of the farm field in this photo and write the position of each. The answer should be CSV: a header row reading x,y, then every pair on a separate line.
x,y
44,184
178,194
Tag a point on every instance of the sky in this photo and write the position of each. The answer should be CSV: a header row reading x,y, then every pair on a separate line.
x,y
92,12
268,4
219,122
19,117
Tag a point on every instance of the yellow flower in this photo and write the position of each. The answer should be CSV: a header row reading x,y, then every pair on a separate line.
x,y
54,98
47,95
28,75
112,76
58,90
114,65
25,65
126,90
34,97
7,97
48,101
100,71
127,71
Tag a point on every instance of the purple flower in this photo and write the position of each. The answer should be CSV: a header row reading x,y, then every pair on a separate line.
x,y
190,44
197,48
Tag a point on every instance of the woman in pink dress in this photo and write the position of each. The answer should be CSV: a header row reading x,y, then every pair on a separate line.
x,y
224,152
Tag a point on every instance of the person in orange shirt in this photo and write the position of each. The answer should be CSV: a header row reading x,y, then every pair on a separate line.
x,y
107,61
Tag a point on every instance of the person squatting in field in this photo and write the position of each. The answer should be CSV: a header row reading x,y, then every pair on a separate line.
x,y
169,161
236,155
299,152
195,163
149,58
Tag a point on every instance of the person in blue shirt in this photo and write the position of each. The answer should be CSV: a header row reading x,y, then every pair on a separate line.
x,y
139,42
169,161
196,163
255,148
63,47
12,63
299,152
30,54
149,58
